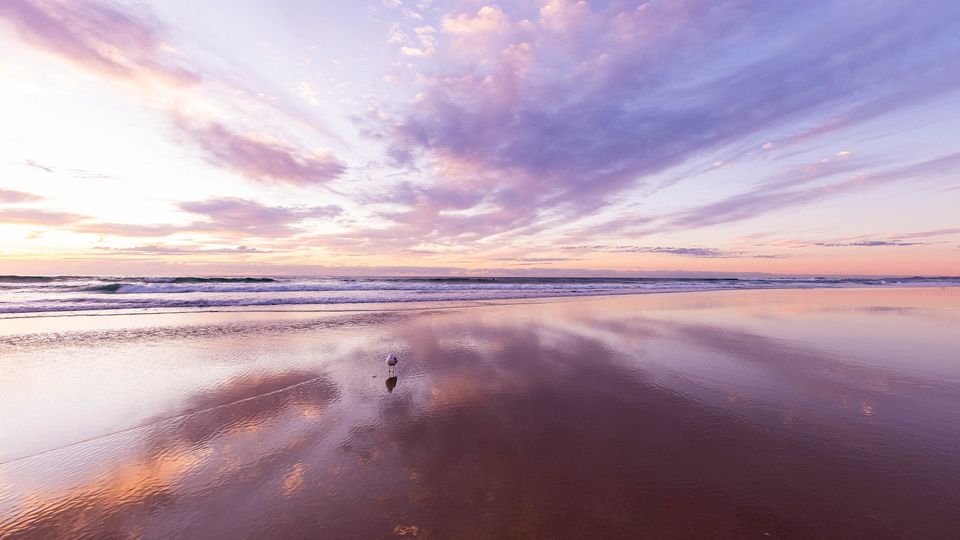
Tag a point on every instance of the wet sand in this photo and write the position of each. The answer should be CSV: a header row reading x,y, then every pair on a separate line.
x,y
783,414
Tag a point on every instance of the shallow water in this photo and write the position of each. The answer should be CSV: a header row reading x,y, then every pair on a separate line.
x,y
814,413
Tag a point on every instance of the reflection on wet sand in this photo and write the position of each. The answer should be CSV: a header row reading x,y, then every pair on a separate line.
x,y
200,445
619,417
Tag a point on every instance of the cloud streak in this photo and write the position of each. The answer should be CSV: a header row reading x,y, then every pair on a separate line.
x,y
224,217
870,243
11,196
778,194
699,252
97,37
187,250
261,159
230,215
33,216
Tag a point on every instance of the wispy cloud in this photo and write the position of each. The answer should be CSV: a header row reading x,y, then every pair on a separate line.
x,y
13,196
535,260
128,229
224,217
261,159
869,243
97,36
712,253
33,216
928,234
37,165
778,195
187,250
230,215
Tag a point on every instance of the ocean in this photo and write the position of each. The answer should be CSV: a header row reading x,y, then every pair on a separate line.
x,y
42,294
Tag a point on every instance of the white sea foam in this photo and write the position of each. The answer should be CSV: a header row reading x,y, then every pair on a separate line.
x,y
29,294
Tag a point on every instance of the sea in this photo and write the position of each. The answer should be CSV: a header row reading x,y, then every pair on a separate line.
x,y
57,294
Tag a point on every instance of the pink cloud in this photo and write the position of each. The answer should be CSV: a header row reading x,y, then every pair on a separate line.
x,y
97,37
242,217
262,159
779,194
31,216
187,250
12,196
225,217
126,229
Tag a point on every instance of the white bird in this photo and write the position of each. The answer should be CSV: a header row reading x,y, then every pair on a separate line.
x,y
392,362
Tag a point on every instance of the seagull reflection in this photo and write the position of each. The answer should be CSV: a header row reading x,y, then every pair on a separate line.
x,y
391,383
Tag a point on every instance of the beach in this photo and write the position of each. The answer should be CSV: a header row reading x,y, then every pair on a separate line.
x,y
783,413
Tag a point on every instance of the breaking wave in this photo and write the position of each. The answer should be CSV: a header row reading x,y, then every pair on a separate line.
x,y
38,294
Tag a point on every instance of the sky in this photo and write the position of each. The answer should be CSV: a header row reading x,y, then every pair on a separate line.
x,y
533,137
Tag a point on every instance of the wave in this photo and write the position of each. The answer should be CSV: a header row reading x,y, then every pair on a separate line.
x,y
209,280
37,294
27,279
112,287
340,286
261,286
127,303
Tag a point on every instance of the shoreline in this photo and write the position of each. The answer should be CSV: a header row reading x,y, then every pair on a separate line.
x,y
457,303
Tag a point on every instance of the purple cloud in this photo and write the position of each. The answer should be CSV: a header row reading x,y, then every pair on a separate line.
x,y
869,243
778,194
225,217
187,250
928,234
96,36
262,159
242,217
702,252
31,216
37,165
126,229
558,115
128,43
12,196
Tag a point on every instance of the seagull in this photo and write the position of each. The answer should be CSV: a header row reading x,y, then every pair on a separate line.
x,y
392,362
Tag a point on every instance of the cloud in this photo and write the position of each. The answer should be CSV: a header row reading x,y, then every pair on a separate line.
x,y
128,43
97,37
225,217
126,229
261,159
31,216
928,234
242,217
779,194
535,260
870,243
487,20
12,196
37,165
699,252
187,250
558,117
